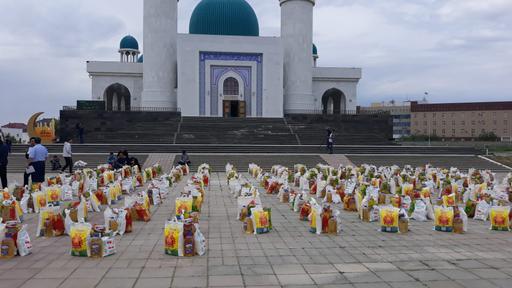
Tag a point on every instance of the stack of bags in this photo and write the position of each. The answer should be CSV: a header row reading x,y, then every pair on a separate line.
x,y
182,234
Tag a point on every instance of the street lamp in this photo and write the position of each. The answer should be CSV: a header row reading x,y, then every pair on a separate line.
x,y
429,122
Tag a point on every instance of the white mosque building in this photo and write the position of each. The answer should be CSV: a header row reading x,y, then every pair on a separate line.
x,y
223,67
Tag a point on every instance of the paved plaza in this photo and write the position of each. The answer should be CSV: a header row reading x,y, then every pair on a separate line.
x,y
289,256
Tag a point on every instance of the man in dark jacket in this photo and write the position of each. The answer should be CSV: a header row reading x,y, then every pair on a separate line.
x,y
4,155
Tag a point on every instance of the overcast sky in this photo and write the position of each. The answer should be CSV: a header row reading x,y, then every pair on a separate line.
x,y
457,50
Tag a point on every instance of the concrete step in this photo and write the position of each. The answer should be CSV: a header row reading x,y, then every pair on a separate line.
x,y
257,149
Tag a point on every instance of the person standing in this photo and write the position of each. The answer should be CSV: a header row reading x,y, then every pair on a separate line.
x,y
80,132
8,142
37,157
67,154
330,141
26,176
4,155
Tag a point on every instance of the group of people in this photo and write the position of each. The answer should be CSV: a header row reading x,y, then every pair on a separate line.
x,y
122,159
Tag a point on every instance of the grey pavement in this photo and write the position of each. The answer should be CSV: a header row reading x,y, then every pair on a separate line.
x,y
289,256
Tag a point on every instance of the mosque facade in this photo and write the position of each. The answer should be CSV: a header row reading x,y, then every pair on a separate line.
x,y
223,67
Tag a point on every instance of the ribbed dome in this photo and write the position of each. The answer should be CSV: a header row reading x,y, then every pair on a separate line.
x,y
224,17
129,42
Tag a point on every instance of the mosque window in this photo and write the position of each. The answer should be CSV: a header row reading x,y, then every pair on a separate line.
x,y
231,86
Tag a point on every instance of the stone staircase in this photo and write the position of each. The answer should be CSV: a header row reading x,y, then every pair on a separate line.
x,y
349,129
214,130
121,127
261,149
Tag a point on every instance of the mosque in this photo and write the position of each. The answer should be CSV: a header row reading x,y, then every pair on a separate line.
x,y
223,67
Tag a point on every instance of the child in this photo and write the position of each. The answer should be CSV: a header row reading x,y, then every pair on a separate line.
x,y
111,159
55,163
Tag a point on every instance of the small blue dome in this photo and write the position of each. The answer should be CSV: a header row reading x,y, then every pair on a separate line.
x,y
224,17
129,42
315,50
141,59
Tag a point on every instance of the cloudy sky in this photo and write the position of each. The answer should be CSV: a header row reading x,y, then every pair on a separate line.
x,y
457,50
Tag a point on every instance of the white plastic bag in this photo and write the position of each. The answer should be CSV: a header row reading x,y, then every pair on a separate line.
x,y
199,241
482,211
420,211
23,242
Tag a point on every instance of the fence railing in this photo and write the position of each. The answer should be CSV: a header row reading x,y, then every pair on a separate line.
x,y
322,112
132,109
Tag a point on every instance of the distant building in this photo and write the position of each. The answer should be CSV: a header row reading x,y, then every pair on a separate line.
x,y
462,120
16,130
401,113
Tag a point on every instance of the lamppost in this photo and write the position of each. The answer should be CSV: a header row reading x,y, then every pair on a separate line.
x,y
429,122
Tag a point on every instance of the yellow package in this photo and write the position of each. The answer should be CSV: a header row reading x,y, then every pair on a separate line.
x,y
109,177
183,206
79,234
39,200
173,238
443,218
389,219
260,220
500,218
449,200
425,192
407,189
53,195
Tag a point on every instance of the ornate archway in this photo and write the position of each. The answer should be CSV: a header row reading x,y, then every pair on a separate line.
x,y
231,87
333,102
117,98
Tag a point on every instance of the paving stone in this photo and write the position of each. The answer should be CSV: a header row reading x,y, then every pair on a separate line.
x,y
362,277
457,274
153,283
54,273
42,283
256,269
288,269
224,270
116,282
349,268
394,276
476,283
20,273
189,282
157,272
427,275
443,284
80,283
260,280
225,280
301,279
329,278
123,273
372,285
489,273
320,268
380,266
11,283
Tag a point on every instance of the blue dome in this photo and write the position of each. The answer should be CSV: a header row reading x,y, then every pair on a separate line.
x,y
129,42
224,17
315,50
141,59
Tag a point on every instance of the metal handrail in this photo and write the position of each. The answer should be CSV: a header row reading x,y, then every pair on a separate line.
x,y
132,109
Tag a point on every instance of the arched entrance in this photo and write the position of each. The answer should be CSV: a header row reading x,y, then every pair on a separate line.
x,y
230,89
333,102
117,98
